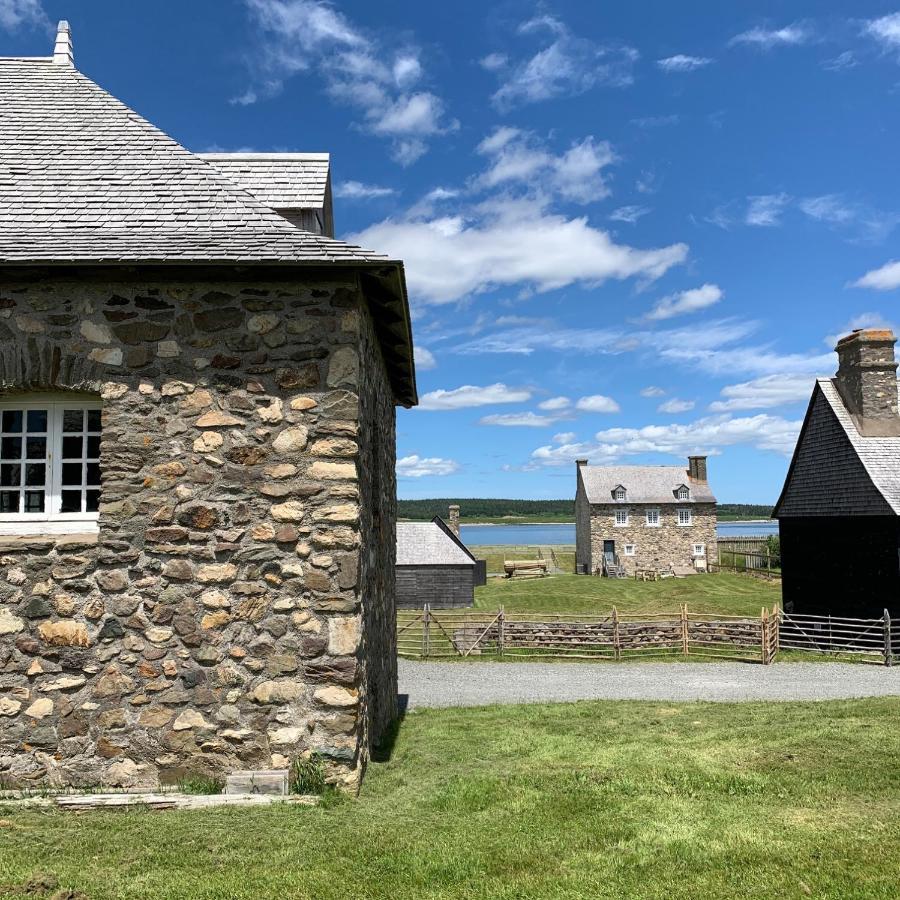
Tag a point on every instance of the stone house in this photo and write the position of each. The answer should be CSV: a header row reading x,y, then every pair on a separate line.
x,y
839,511
197,447
644,517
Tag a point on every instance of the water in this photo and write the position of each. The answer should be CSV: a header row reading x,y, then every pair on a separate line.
x,y
477,535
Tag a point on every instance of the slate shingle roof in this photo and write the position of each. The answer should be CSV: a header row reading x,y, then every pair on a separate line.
x,y
428,544
643,484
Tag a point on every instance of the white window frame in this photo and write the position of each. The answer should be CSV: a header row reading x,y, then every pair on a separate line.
x,y
630,549
624,514
51,520
685,512
698,551
684,493
650,515
620,495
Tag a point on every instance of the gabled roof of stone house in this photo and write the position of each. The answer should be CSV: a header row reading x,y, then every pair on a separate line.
x,y
430,544
643,484
84,180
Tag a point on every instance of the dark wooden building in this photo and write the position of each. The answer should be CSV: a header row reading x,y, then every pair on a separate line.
x,y
435,567
839,511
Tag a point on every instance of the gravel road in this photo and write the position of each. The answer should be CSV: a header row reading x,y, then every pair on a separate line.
x,y
482,683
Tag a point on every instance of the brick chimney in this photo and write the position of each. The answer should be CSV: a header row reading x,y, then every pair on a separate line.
x,y
62,52
867,377
697,468
454,519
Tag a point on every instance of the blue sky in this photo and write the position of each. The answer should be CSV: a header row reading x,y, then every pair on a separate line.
x,y
631,231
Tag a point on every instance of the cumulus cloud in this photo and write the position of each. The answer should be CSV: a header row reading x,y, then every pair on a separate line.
x,y
768,38
885,278
565,66
424,359
510,242
555,404
652,391
518,156
356,190
519,420
765,210
597,403
470,395
294,36
769,391
417,466
629,214
682,63
686,302
16,14
676,406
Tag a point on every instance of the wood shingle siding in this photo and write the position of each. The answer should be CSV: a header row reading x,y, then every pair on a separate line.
x,y
442,587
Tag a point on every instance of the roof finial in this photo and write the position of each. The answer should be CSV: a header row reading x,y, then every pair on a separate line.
x,y
62,52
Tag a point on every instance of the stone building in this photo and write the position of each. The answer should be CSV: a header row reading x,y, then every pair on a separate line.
x,y
197,450
644,517
839,511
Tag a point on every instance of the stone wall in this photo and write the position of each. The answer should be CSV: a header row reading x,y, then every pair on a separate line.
x,y
224,617
662,547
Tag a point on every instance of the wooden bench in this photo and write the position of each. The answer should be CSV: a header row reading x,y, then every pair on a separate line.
x,y
536,567
646,575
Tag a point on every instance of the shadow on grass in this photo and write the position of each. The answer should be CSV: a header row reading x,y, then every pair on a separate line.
x,y
385,748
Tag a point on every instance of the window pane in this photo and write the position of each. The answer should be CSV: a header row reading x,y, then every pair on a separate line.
x,y
93,501
71,473
37,420
9,501
10,475
93,420
93,473
34,502
11,448
71,501
73,420
93,447
12,420
36,447
71,448
35,474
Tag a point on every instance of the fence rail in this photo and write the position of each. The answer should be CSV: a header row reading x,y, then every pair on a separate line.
x,y
430,634
733,559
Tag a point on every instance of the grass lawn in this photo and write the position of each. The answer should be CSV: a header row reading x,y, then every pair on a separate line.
x,y
727,594
586,800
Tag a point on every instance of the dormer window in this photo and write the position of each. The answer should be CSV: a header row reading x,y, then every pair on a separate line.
x,y
683,492
619,493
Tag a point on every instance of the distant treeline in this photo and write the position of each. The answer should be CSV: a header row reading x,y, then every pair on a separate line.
x,y
489,508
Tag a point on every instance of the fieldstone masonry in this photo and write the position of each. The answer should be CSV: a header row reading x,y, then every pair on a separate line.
x,y
236,608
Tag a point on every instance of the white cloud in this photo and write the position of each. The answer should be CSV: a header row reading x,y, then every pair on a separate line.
x,y
841,62
686,302
564,437
424,359
555,403
863,320
470,395
885,30
526,340
676,406
861,221
16,14
682,63
828,208
629,214
417,466
656,121
597,403
766,209
564,67
493,61
764,393
510,242
519,420
767,38
652,391
311,35
887,278
356,190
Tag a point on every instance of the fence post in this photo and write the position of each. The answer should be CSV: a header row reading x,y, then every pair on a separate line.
x,y
888,649
685,647
617,645
500,632
764,635
426,630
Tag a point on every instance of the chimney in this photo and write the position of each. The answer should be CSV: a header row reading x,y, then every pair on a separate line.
x,y
454,519
697,468
62,52
867,375
581,462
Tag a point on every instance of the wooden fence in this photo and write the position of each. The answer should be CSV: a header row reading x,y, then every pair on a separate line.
x,y
743,544
733,559
839,636
430,634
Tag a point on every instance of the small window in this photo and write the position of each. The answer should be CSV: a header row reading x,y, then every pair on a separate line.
x,y
619,493
699,551
629,549
685,517
653,518
621,517
684,493
49,463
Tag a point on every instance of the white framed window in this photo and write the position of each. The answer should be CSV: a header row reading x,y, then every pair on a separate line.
x,y
684,493
629,549
619,493
685,517
621,518
653,518
699,551
49,465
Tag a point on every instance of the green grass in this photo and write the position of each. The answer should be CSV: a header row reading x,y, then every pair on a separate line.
x,y
586,800
728,594
496,554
